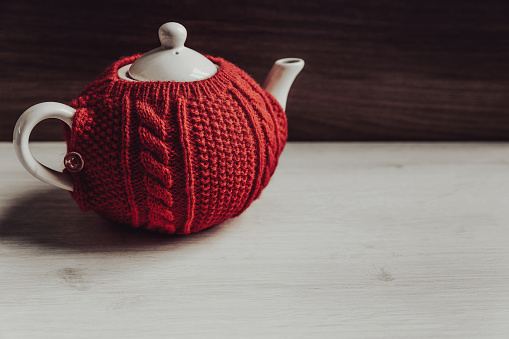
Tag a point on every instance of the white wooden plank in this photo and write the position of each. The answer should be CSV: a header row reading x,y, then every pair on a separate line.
x,y
348,240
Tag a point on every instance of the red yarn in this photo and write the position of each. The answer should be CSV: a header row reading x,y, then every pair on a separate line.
x,y
174,157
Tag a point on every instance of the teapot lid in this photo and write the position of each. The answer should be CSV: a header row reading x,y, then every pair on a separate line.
x,y
170,62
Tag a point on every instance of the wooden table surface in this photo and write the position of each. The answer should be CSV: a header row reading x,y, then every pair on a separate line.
x,y
366,240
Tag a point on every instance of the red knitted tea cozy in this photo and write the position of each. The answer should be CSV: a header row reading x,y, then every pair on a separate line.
x,y
174,157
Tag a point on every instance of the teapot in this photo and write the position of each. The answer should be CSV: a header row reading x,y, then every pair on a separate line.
x,y
171,141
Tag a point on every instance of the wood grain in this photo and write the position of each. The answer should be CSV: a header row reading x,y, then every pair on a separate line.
x,y
376,70
348,240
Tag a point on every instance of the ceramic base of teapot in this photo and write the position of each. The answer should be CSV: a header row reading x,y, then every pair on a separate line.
x,y
123,73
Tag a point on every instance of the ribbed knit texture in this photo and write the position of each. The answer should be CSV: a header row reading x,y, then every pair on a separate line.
x,y
174,157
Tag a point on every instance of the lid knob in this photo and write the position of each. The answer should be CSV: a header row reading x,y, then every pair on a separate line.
x,y
172,35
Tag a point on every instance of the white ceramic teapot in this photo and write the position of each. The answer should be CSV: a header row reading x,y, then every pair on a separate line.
x,y
154,132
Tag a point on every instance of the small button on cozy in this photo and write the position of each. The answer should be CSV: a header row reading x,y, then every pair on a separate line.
x,y
73,162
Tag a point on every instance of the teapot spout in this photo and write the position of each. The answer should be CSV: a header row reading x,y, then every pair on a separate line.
x,y
281,77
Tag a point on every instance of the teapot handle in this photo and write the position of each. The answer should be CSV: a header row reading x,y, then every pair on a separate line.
x,y
26,122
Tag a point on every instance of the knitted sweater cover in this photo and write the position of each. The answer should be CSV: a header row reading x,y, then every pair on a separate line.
x,y
174,157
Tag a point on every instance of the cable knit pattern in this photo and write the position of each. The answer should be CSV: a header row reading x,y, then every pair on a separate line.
x,y
174,157
155,157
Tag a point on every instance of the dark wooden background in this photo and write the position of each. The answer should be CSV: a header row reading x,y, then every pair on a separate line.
x,y
375,70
